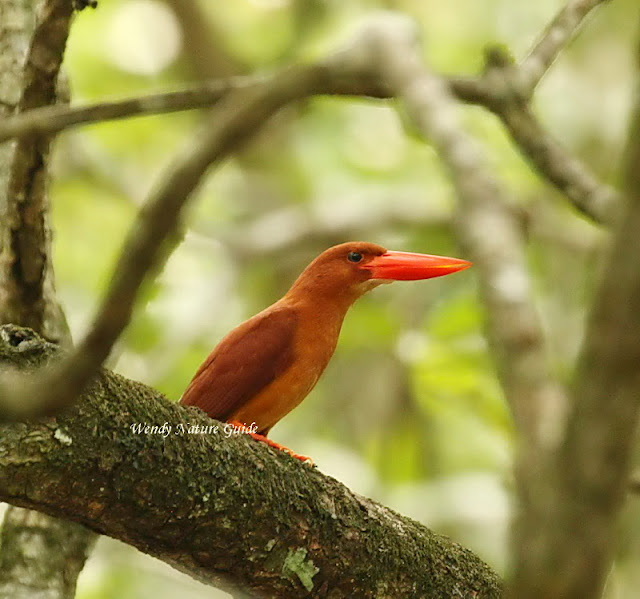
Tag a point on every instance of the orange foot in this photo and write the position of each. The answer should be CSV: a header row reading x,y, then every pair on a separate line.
x,y
270,443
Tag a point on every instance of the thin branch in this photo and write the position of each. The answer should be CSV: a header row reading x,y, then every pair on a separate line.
x,y
228,511
472,90
234,119
523,78
555,37
589,196
506,88
54,119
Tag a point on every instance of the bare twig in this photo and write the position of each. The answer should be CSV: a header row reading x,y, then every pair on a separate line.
x,y
57,118
506,89
522,79
53,119
552,41
554,163
589,196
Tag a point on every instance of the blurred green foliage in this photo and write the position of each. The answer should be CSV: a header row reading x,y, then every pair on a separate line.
x,y
410,410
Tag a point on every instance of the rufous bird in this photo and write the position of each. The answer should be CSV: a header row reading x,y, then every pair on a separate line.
x,y
267,365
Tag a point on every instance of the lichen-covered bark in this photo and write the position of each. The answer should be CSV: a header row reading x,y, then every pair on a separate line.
x,y
40,556
33,36
28,540
227,511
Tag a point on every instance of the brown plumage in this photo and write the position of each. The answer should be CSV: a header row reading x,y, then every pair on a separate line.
x,y
267,365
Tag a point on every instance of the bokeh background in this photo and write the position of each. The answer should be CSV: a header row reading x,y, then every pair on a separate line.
x,y
409,411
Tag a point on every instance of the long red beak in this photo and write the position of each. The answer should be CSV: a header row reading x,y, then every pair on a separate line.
x,y
406,266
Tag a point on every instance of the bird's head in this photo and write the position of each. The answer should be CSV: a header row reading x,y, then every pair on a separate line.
x,y
351,269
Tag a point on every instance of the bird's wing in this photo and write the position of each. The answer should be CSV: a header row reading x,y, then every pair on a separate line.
x,y
243,363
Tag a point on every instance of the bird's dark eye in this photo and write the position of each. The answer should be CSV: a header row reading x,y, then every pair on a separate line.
x,y
354,257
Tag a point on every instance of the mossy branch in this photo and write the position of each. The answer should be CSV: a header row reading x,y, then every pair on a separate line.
x,y
228,511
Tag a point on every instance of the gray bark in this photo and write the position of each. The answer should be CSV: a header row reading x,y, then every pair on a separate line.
x,y
40,556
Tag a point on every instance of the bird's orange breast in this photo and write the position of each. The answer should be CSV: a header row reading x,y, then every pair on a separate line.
x,y
314,342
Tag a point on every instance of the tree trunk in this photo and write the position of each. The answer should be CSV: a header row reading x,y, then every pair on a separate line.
x,y
41,556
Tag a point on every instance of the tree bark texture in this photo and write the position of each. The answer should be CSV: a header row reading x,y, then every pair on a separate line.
x,y
229,511
33,36
40,557
567,522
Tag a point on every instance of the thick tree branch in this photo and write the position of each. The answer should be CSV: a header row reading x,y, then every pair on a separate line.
x,y
227,511
514,327
42,556
569,532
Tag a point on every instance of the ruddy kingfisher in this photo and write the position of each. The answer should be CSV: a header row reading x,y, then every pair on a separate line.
x,y
267,365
